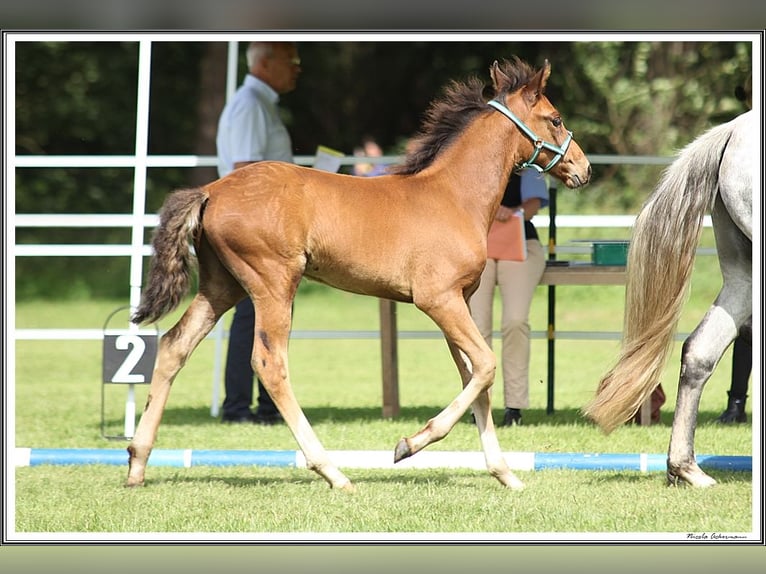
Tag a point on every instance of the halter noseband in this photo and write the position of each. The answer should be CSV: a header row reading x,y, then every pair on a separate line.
x,y
538,143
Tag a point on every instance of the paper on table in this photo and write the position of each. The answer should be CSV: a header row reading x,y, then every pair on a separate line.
x,y
507,240
327,159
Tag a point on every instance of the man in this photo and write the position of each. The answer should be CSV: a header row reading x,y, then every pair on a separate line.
x,y
250,130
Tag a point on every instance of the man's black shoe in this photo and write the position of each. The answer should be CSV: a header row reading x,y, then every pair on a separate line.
x,y
254,418
248,418
275,418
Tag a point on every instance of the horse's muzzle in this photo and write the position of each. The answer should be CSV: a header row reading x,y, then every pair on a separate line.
x,y
575,180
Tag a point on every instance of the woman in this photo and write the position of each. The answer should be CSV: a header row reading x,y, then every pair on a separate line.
x,y
525,194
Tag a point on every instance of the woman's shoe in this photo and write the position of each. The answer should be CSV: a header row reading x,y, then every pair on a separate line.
x,y
511,417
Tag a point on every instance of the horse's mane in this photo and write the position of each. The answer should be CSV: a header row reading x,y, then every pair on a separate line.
x,y
447,116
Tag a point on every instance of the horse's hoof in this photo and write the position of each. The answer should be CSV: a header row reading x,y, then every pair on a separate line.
x,y
699,480
512,482
135,478
402,450
348,488
695,478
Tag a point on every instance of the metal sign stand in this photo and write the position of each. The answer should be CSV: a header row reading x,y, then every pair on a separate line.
x,y
129,356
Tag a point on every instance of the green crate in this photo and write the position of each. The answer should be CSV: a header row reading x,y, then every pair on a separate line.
x,y
610,252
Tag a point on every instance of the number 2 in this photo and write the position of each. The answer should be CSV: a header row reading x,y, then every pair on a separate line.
x,y
137,345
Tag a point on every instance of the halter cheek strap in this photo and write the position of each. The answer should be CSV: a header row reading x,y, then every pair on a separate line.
x,y
538,143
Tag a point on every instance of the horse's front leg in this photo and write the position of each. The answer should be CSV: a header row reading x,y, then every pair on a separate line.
x,y
174,349
699,356
476,363
482,411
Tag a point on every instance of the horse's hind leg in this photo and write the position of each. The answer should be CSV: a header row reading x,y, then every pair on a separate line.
x,y
175,348
218,291
699,356
705,346
272,330
476,363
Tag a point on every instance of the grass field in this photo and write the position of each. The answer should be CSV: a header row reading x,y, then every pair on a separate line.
x,y
337,382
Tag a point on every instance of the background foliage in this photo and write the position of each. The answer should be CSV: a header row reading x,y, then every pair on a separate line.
x,y
633,98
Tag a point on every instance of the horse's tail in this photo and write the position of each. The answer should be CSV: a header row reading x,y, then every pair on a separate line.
x,y
660,263
173,262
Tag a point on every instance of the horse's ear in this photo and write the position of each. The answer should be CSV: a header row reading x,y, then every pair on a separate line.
x,y
536,86
500,80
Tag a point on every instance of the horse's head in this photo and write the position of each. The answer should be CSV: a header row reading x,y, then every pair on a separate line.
x,y
547,146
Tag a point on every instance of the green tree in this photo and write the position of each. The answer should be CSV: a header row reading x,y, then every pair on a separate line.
x,y
648,98
73,98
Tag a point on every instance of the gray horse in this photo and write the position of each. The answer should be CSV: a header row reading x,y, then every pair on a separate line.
x,y
716,171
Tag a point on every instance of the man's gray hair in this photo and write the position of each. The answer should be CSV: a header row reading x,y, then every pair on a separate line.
x,y
258,50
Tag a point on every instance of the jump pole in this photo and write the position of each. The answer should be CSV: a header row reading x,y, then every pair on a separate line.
x,y
529,461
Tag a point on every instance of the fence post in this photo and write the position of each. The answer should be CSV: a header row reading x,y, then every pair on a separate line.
x,y
389,358
139,205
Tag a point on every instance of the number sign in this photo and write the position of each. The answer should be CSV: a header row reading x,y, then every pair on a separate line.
x,y
129,358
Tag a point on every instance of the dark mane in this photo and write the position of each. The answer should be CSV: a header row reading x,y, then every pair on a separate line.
x,y
448,116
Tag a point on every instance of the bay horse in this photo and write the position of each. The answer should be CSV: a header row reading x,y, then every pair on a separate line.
x,y
716,171
418,235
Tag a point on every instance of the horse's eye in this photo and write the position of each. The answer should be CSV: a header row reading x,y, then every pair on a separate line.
x,y
556,122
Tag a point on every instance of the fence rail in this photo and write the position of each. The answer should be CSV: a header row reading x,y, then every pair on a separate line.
x,y
149,221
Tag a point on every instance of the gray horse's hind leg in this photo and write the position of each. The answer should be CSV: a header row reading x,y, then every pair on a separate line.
x,y
705,346
699,357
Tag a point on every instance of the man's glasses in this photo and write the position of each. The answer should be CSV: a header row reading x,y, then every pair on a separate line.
x,y
293,61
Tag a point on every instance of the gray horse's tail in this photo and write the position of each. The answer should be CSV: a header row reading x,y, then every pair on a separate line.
x,y
172,262
660,263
